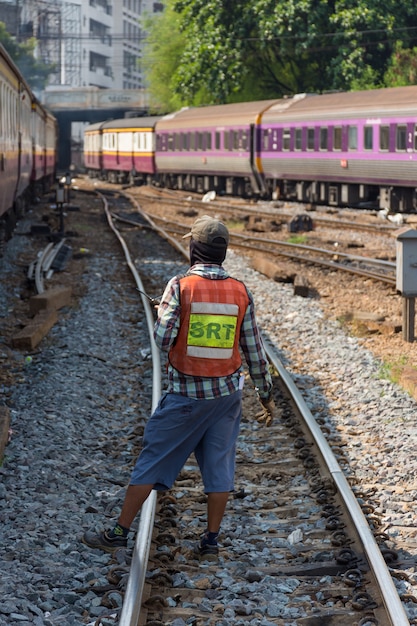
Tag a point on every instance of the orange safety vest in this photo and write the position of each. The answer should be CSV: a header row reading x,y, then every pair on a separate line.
x,y
212,311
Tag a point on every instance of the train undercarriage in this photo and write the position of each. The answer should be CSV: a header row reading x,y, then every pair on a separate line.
x,y
390,198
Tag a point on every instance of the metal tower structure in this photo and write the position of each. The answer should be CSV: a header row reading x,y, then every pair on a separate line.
x,y
56,24
71,44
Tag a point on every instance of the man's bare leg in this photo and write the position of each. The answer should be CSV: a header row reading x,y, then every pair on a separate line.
x,y
134,499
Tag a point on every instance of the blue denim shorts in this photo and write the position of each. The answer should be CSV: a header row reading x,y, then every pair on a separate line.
x,y
180,426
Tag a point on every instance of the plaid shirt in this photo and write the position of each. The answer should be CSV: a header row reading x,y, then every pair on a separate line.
x,y
166,329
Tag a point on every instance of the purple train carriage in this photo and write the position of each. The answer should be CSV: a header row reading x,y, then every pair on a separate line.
x,y
341,149
344,148
211,148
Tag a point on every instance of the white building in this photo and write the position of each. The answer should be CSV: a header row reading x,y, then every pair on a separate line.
x,y
90,42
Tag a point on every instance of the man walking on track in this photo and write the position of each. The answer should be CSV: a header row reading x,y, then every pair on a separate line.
x,y
205,320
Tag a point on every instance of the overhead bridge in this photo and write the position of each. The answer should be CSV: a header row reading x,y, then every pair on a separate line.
x,y
89,104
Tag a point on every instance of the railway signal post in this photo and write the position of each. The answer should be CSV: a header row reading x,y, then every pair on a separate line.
x,y
60,199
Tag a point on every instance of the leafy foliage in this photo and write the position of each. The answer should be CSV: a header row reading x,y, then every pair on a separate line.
x,y
35,72
237,50
165,46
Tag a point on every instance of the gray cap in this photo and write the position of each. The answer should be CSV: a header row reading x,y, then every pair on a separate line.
x,y
207,229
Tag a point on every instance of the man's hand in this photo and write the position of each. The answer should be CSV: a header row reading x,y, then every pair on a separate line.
x,y
266,416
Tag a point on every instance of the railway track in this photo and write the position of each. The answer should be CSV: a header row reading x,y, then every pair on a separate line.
x,y
377,269
296,548
268,210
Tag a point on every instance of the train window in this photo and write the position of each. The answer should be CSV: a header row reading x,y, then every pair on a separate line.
x,y
297,143
337,138
177,141
14,114
6,113
217,140
415,137
191,137
310,138
353,138
368,138
324,136
266,134
286,137
384,138
208,141
401,138
170,142
244,140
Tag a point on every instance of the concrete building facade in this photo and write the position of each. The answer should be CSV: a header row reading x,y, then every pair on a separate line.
x,y
96,43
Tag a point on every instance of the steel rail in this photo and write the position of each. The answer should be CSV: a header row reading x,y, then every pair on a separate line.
x,y
239,240
39,268
158,229
261,209
133,596
284,244
132,601
389,594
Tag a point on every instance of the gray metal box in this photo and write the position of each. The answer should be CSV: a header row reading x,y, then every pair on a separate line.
x,y
406,271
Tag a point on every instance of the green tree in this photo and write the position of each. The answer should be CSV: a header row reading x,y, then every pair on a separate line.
x,y
163,52
402,67
236,50
35,72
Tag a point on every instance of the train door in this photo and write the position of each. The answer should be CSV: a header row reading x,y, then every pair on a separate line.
x,y
117,148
